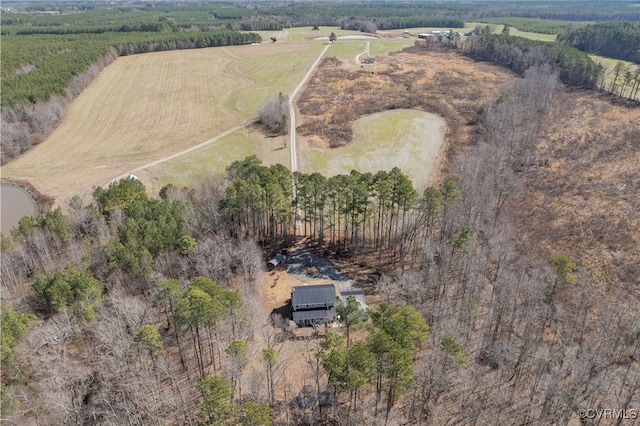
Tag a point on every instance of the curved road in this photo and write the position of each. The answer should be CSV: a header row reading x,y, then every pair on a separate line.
x,y
366,52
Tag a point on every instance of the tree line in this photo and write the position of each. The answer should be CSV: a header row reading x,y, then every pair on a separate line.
x,y
518,54
471,317
618,40
574,67
351,211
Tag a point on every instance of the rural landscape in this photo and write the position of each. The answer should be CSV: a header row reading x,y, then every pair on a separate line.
x,y
320,213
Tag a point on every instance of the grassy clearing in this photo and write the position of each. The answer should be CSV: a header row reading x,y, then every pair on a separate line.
x,y
303,33
383,47
213,159
497,29
407,139
609,64
198,165
346,50
271,73
532,36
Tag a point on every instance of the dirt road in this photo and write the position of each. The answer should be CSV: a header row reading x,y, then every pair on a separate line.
x,y
292,111
366,52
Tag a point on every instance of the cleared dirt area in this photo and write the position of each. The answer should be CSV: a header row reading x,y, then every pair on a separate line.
x,y
296,355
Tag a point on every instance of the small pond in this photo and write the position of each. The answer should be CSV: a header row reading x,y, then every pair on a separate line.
x,y
14,203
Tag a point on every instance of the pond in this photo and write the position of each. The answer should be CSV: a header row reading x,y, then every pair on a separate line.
x,y
14,203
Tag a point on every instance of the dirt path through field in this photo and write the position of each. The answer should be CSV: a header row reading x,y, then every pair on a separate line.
x,y
366,52
292,111
181,153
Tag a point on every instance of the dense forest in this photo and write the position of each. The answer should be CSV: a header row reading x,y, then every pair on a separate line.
x,y
618,40
143,310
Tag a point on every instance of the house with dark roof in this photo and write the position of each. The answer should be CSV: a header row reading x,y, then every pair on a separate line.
x,y
313,304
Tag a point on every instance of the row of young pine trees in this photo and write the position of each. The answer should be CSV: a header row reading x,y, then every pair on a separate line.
x,y
379,211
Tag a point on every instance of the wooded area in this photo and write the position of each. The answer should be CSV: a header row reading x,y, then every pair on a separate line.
x,y
617,40
142,310
48,58
492,290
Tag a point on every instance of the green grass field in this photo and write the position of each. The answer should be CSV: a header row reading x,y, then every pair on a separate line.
x,y
198,165
407,139
497,29
143,108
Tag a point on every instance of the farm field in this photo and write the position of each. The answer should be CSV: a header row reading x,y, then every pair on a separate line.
x,y
213,159
145,107
303,33
469,26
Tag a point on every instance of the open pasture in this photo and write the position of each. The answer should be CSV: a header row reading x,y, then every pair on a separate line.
x,y
302,33
146,107
408,139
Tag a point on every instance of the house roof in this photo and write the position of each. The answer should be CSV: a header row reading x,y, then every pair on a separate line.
x,y
314,314
313,295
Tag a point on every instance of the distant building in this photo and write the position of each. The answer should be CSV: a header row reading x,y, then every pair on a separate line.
x,y
368,61
313,304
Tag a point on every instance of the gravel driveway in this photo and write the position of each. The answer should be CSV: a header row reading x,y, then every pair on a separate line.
x,y
305,266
